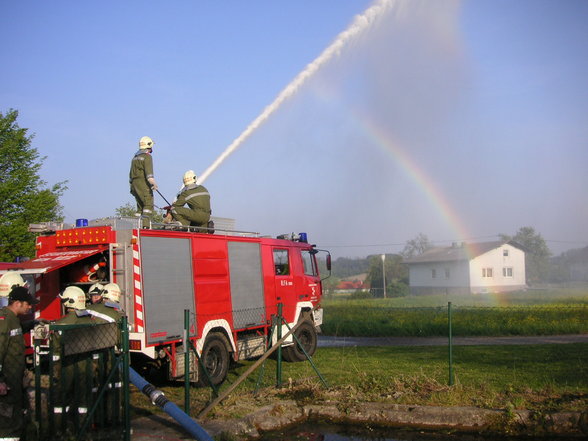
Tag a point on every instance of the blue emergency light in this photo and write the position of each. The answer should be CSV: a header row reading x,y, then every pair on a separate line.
x,y
302,237
81,223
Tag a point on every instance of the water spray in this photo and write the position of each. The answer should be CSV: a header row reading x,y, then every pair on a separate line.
x,y
359,25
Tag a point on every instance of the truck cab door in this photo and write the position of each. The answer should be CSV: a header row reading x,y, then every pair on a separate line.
x,y
284,279
312,281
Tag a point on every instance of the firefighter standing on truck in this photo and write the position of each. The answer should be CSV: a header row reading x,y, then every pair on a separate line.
x,y
141,178
12,362
198,212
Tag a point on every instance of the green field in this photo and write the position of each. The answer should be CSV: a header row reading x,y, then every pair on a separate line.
x,y
539,377
545,312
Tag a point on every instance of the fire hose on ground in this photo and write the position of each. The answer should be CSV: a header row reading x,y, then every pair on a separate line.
x,y
159,399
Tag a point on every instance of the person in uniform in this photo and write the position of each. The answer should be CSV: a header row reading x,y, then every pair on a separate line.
x,y
197,213
141,178
8,281
73,367
12,362
105,305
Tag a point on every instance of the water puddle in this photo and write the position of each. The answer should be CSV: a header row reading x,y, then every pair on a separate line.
x,y
324,432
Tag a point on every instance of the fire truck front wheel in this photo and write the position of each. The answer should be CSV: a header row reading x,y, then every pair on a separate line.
x,y
306,335
216,359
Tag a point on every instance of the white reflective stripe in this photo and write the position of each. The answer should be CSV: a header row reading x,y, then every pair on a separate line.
x,y
9,439
55,357
15,331
58,409
102,316
82,410
202,193
119,384
94,389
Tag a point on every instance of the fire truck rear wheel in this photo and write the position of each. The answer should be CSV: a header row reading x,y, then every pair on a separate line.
x,y
216,359
306,334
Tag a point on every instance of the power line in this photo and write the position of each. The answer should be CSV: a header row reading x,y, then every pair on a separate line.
x,y
577,242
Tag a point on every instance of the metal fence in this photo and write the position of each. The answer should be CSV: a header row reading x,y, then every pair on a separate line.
x,y
79,380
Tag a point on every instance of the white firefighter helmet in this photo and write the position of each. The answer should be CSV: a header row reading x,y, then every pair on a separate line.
x,y
190,177
112,292
73,297
146,143
9,281
97,289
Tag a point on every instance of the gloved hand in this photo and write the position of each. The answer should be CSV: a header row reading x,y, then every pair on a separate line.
x,y
154,186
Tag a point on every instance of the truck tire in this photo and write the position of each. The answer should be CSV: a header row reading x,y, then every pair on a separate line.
x,y
306,334
216,359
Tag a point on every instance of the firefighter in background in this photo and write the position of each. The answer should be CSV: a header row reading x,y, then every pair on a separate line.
x,y
12,362
197,214
73,367
8,281
142,179
105,302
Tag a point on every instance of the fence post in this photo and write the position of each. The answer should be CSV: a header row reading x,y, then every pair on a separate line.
x,y
279,351
450,344
126,380
187,361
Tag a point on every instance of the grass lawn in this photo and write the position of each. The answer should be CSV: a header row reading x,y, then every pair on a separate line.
x,y
541,377
564,311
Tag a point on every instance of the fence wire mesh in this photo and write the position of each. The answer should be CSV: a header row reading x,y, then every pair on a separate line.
x,y
78,380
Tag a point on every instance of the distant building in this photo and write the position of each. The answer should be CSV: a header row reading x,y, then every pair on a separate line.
x,y
468,268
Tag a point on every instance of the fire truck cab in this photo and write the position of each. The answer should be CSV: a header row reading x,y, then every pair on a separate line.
x,y
230,282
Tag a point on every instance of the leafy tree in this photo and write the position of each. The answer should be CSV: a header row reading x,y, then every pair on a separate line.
x,y
536,256
416,246
396,272
345,267
129,210
24,198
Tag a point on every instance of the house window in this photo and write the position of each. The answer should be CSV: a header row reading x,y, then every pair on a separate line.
x,y
486,272
447,273
433,273
281,262
505,252
507,272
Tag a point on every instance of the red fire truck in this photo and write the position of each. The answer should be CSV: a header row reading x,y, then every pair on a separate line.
x,y
231,282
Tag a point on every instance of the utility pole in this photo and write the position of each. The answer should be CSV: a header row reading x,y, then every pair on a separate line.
x,y
384,272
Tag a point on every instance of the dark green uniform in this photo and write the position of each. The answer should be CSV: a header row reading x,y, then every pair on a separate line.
x,y
105,312
141,171
12,366
198,211
73,368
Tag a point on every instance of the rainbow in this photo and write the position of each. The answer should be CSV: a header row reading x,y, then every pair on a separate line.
x,y
380,137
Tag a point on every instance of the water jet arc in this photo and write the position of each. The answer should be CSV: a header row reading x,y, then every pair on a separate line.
x,y
358,26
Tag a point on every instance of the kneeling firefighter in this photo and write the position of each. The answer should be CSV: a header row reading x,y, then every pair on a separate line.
x,y
197,214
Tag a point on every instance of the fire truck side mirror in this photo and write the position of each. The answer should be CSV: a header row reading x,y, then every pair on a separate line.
x,y
329,262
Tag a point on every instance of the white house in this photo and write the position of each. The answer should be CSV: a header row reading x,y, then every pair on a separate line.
x,y
468,268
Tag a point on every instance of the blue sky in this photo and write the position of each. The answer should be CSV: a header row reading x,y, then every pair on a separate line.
x,y
460,120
